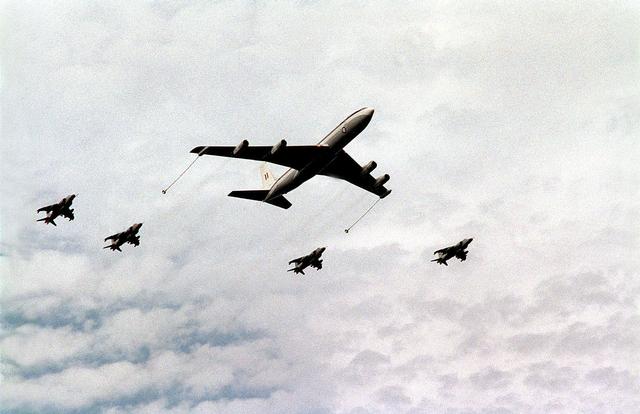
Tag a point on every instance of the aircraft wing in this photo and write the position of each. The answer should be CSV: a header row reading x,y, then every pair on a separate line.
x,y
445,250
298,260
346,168
113,237
68,214
47,208
296,156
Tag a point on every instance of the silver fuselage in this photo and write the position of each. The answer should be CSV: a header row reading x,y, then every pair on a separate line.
x,y
336,140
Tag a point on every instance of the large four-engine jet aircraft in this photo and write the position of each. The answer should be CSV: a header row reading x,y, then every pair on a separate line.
x,y
457,250
305,161
62,208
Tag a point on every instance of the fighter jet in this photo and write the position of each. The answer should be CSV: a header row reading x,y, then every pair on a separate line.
x,y
312,260
62,208
457,250
130,235
305,161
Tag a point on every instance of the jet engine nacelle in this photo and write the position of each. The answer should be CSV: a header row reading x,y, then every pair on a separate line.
x,y
241,147
368,168
278,147
381,180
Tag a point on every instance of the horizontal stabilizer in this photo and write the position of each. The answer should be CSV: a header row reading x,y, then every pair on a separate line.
x,y
280,201
47,221
259,195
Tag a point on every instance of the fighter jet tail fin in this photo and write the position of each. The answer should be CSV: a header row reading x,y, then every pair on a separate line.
x,y
268,179
259,195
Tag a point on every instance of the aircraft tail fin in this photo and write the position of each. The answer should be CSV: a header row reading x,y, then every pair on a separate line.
x,y
440,261
268,179
259,195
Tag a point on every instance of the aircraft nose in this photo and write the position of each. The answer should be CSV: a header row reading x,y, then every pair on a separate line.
x,y
368,112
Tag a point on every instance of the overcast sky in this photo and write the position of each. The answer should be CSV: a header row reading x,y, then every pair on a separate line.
x,y
514,123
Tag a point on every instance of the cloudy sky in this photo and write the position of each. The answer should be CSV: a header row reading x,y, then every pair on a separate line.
x,y
513,123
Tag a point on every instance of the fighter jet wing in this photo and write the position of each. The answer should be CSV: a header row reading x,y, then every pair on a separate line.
x,y
47,208
68,214
460,254
298,260
445,250
114,236
297,156
346,168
